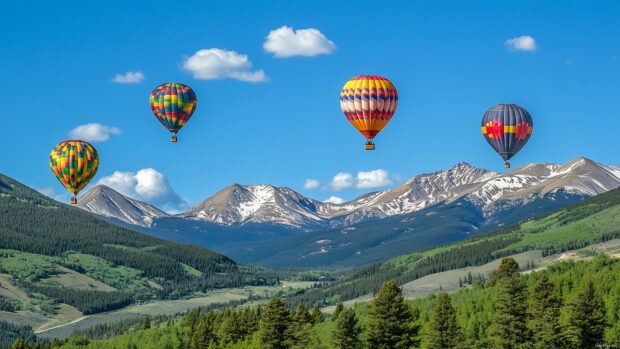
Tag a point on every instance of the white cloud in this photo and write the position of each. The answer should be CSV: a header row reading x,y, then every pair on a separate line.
x,y
147,185
363,180
334,200
94,132
287,42
130,77
372,179
311,183
522,43
341,180
214,63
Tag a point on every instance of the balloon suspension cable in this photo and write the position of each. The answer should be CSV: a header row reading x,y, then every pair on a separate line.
x,y
73,200
369,145
173,138
507,164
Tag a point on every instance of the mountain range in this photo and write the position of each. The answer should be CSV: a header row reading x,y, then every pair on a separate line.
x,y
245,221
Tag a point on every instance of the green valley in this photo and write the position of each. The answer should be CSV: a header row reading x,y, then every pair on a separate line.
x,y
589,222
476,320
106,289
59,264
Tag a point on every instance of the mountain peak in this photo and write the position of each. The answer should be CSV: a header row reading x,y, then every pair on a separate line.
x,y
105,201
462,165
239,204
259,203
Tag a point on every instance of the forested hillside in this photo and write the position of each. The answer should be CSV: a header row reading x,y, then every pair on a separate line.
x,y
41,240
591,221
568,305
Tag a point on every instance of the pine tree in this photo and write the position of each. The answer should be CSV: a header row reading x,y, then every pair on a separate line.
x,y
229,330
544,314
586,319
444,332
297,334
192,319
507,268
302,315
391,324
248,322
146,324
337,311
317,315
274,323
20,344
203,335
509,328
346,332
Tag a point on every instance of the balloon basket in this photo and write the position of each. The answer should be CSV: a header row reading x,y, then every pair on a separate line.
x,y
369,146
173,139
73,200
507,164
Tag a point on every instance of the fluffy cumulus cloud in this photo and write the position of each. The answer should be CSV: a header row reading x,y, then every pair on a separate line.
x,y
524,43
341,180
334,200
130,77
311,183
147,185
363,180
287,42
372,179
94,132
214,63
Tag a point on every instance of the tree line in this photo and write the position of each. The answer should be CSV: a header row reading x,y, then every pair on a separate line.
x,y
474,251
86,301
31,222
569,305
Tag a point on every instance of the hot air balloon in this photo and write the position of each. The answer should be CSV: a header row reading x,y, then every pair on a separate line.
x,y
369,102
74,163
173,105
507,127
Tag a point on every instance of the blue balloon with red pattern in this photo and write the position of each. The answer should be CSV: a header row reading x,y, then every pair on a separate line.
x,y
507,128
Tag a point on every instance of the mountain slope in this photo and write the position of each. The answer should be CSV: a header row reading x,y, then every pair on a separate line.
x,y
276,226
451,210
373,241
591,221
107,202
237,205
34,227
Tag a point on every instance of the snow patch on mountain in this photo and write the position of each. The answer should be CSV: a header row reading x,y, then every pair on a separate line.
x,y
490,191
107,202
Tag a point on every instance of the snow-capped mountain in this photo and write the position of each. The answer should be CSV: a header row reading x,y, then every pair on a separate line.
x,y
107,202
239,204
491,192
580,177
415,194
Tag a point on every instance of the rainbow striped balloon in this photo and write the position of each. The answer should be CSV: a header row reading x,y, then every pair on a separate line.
x,y
173,105
74,163
369,102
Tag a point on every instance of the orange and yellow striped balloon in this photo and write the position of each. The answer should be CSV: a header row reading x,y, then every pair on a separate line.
x,y
369,102
74,163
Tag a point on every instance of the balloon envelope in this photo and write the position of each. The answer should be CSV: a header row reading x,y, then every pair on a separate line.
x,y
173,104
507,128
369,102
74,163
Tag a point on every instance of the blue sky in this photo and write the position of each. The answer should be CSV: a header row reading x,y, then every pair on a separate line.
x,y
449,60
